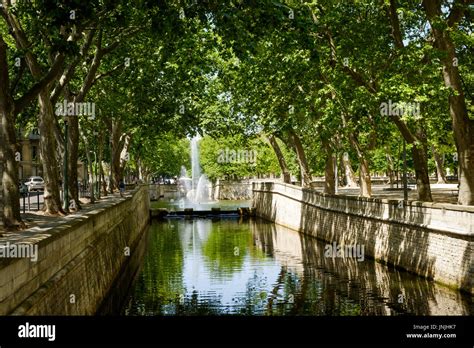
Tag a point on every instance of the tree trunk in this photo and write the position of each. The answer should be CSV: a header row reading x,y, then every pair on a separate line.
x,y
420,162
390,169
364,170
421,168
92,181
463,126
11,195
103,181
348,171
125,141
101,168
364,177
118,141
329,168
439,160
73,147
89,163
281,159
329,180
301,157
52,201
420,158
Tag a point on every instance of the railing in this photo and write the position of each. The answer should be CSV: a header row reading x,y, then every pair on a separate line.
x,y
32,200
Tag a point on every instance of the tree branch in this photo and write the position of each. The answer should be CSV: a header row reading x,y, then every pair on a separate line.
x,y
457,12
69,72
108,73
37,87
395,24
4,77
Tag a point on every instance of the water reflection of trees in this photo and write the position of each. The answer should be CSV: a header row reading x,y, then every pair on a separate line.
x,y
226,248
161,277
343,286
307,283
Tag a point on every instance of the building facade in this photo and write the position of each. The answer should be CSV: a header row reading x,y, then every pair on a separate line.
x,y
30,162
28,147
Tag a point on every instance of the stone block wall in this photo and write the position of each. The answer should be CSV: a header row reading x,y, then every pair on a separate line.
x,y
232,190
1,176
433,240
78,260
235,189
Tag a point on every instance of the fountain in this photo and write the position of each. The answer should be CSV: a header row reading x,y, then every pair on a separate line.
x,y
184,182
197,188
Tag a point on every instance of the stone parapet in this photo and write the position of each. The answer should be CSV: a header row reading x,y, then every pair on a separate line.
x,y
434,240
78,259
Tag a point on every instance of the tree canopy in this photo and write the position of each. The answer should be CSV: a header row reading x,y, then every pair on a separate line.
x,y
306,85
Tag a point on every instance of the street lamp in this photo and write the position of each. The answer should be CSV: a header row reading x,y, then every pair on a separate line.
x,y
92,174
336,175
65,176
405,184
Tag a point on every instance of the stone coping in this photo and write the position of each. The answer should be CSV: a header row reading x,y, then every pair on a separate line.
x,y
51,230
291,190
433,205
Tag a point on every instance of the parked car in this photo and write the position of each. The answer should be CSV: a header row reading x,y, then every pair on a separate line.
x,y
35,183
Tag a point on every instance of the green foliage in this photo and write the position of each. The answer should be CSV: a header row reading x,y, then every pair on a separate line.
x,y
162,155
238,156
238,71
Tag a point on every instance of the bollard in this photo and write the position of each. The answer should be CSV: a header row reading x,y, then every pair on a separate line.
x,y
38,200
216,214
188,213
24,196
29,201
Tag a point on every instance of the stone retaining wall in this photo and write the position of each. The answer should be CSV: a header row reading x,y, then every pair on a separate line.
x,y
78,261
431,239
235,189
1,176
232,190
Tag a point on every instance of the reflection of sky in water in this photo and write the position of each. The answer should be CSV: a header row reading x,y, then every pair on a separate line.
x,y
197,277
195,258
197,269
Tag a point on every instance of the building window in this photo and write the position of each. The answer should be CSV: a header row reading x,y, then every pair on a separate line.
x,y
34,153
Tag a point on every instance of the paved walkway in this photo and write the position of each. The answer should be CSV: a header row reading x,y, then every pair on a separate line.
x,y
445,193
36,220
442,193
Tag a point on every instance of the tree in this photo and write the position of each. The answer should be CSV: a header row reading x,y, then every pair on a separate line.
x,y
10,106
463,125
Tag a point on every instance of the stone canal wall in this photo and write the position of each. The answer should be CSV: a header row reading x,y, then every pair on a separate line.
x,y
78,260
1,176
232,190
430,239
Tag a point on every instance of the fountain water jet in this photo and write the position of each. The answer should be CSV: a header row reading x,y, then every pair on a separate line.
x,y
184,182
200,191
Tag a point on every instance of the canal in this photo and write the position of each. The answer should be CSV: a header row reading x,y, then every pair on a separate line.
x,y
254,267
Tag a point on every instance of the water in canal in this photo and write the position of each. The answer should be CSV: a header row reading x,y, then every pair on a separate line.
x,y
253,267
